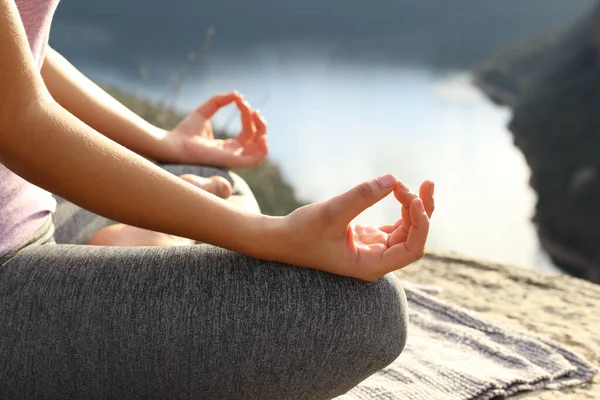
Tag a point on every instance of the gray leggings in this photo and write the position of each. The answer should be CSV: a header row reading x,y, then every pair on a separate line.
x,y
191,322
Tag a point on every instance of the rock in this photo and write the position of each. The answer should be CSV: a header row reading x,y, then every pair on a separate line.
x,y
553,86
559,307
583,179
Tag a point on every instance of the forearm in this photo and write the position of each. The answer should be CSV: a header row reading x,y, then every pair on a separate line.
x,y
92,105
54,150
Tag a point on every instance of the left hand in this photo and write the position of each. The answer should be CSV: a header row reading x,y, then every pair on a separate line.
x,y
194,143
321,235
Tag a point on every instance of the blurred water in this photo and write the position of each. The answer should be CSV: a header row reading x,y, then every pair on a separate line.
x,y
333,124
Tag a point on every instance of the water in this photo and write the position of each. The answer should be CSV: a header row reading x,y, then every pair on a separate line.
x,y
334,123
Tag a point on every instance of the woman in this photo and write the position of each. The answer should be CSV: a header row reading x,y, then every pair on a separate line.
x,y
275,311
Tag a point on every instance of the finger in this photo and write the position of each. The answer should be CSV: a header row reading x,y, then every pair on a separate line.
x,y
216,185
254,153
347,206
403,194
260,138
391,228
417,236
405,253
247,132
387,229
215,103
426,194
401,235
405,197
259,123
221,187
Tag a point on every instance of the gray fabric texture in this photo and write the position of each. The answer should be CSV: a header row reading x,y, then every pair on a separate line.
x,y
189,322
454,354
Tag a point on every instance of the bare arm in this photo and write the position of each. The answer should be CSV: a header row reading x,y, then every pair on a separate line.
x,y
96,108
190,142
48,146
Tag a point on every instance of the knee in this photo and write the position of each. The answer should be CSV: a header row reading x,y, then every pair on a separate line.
x,y
388,329
372,331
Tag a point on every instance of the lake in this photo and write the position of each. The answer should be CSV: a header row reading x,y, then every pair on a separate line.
x,y
334,123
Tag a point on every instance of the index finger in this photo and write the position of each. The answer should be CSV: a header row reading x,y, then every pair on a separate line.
x,y
215,103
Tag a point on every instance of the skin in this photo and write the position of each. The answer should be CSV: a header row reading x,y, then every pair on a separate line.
x,y
127,235
55,144
216,185
191,142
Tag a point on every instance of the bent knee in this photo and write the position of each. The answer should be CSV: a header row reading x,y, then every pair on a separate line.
x,y
389,328
373,332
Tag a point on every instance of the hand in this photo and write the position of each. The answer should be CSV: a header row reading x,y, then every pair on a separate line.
x,y
194,142
322,237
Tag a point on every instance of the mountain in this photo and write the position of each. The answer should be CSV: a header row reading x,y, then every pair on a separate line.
x,y
553,87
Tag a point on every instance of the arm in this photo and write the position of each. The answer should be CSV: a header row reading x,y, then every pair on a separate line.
x,y
48,146
99,110
191,142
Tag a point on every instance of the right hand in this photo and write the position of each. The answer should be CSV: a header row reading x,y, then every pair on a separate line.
x,y
322,237
192,140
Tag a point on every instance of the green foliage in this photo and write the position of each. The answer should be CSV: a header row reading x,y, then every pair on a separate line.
x,y
273,193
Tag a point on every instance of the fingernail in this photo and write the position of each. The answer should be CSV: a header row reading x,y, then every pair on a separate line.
x,y
403,186
432,188
388,180
421,206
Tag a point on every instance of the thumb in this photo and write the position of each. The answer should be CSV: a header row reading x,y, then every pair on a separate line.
x,y
347,206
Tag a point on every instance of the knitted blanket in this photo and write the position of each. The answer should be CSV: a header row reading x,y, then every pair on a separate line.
x,y
453,354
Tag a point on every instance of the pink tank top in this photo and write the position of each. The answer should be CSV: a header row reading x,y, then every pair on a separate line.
x,y
23,206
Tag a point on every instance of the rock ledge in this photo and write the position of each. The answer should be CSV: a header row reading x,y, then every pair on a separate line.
x,y
559,307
